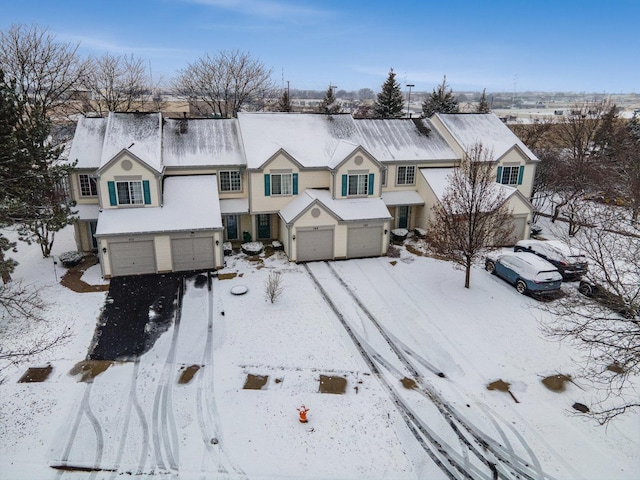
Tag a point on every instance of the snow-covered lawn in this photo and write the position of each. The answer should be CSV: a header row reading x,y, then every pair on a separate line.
x,y
137,418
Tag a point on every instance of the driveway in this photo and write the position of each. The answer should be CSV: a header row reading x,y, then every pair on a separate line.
x,y
138,309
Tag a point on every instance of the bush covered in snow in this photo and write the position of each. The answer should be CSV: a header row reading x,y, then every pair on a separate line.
x,y
252,248
70,259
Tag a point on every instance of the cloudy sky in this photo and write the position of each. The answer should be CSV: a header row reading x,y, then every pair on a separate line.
x,y
500,45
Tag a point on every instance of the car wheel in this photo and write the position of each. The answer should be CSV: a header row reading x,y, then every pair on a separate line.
x,y
490,267
585,289
518,249
521,287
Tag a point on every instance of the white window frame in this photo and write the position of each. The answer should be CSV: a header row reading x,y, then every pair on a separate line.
x,y
511,173
361,184
408,176
281,184
232,180
135,195
87,183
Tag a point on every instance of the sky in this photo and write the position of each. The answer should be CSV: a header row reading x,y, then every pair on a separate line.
x,y
500,45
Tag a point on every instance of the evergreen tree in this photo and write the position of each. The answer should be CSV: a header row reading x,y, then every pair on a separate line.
x,y
440,101
330,104
389,102
483,105
284,104
9,116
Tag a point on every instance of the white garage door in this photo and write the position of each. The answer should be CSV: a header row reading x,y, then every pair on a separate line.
x,y
519,225
364,241
314,245
132,258
192,254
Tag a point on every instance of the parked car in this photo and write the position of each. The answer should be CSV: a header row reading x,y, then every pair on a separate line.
x,y
528,272
570,265
615,302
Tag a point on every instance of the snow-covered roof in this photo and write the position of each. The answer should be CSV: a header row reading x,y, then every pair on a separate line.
x,y
402,140
487,128
190,203
234,205
345,209
138,133
86,147
402,197
201,142
439,179
87,212
312,140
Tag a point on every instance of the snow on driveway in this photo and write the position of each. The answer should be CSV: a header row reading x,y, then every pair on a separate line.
x,y
136,418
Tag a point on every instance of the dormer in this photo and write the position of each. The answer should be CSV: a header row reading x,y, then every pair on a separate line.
x,y
356,173
126,181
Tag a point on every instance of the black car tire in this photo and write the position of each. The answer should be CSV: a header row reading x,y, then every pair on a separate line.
x,y
490,267
585,289
519,249
521,287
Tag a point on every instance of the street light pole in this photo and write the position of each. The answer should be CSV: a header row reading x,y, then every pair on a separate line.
x,y
409,99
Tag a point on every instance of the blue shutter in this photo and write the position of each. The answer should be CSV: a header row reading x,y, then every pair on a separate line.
x,y
371,177
344,185
499,179
267,185
295,183
520,174
146,192
113,200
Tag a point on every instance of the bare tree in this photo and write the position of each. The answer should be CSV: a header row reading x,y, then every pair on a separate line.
x,y
117,83
46,71
225,83
578,143
23,328
605,325
472,216
273,286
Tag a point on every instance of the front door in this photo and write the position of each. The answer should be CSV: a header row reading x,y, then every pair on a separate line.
x,y
403,217
93,225
231,229
264,226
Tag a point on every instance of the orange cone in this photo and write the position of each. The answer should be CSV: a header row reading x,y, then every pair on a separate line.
x,y
303,413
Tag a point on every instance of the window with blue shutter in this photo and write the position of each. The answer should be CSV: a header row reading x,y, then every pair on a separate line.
x,y
146,192
371,176
295,183
344,185
520,174
499,178
113,200
267,185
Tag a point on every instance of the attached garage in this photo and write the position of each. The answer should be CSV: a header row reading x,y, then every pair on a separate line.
x,y
519,229
315,244
132,257
364,241
192,253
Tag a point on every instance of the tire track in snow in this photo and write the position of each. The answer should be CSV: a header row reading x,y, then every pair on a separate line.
x,y
164,430
83,410
207,411
509,464
503,454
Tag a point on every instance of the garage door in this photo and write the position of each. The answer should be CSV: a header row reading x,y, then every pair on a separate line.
x,y
314,245
192,253
519,225
364,241
132,258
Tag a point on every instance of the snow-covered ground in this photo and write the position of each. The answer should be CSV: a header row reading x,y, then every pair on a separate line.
x,y
135,418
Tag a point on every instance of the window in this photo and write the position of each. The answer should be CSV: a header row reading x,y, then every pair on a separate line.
x,y
358,184
230,181
281,184
129,193
383,172
406,175
510,175
88,187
